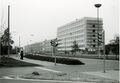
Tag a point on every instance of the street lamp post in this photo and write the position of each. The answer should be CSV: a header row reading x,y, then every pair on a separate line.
x,y
98,6
19,44
54,44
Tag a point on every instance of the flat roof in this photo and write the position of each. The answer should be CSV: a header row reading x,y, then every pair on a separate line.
x,y
83,18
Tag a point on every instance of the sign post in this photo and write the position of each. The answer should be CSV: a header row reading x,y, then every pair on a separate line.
x,y
54,43
102,42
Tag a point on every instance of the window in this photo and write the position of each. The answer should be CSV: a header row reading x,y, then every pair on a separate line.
x,y
93,25
94,46
93,35
93,30
93,40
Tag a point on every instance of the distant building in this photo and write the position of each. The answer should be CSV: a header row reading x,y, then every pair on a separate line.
x,y
47,46
40,47
83,31
36,47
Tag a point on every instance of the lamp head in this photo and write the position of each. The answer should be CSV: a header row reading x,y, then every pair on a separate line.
x,y
98,5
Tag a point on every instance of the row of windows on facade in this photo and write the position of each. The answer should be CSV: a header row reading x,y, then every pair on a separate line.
x,y
82,45
72,32
38,50
40,44
91,35
79,42
91,30
70,43
39,47
80,22
78,37
94,22
71,28
93,25
91,41
97,29
71,36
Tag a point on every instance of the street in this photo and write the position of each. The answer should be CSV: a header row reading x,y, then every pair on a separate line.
x,y
90,65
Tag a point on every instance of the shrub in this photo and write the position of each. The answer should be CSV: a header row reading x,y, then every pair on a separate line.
x,y
35,73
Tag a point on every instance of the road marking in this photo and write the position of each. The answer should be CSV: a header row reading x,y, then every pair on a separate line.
x,y
51,70
7,77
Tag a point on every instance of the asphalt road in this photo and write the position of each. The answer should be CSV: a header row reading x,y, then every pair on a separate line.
x,y
90,65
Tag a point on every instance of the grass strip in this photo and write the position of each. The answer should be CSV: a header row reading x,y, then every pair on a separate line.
x,y
10,62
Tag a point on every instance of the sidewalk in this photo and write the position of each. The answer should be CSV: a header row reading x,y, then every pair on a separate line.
x,y
44,63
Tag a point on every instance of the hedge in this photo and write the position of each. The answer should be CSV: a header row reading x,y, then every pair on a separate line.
x,y
61,60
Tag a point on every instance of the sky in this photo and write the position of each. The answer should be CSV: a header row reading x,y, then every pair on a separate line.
x,y
36,20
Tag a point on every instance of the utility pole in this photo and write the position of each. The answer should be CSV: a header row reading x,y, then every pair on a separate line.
x,y
0,49
8,30
19,43
104,51
53,54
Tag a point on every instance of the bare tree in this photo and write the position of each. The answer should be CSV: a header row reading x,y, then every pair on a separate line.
x,y
75,47
4,41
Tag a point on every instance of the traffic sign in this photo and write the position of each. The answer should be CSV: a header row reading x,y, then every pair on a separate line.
x,y
54,42
101,38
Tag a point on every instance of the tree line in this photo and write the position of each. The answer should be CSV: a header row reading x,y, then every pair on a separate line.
x,y
113,47
110,48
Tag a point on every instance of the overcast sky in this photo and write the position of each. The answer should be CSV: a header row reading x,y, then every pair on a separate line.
x,y
37,20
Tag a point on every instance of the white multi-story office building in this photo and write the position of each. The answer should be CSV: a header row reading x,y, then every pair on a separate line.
x,y
83,31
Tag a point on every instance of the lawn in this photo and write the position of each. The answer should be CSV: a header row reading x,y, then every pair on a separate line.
x,y
62,76
10,62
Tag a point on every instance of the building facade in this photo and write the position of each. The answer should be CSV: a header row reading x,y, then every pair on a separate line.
x,y
40,47
83,31
34,48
